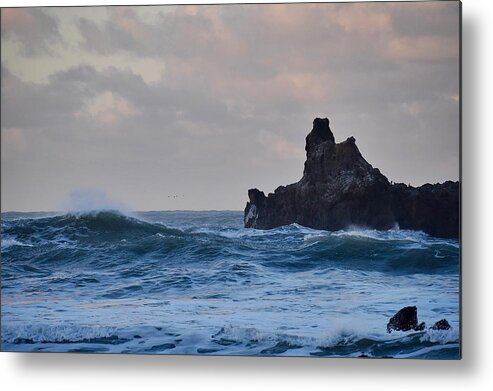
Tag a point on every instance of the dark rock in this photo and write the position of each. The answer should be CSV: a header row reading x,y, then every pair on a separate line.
x,y
404,320
340,189
433,209
441,325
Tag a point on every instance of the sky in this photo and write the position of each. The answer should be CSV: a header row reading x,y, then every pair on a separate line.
x,y
187,107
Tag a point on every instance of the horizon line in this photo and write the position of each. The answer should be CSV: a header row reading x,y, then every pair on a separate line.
x,y
117,210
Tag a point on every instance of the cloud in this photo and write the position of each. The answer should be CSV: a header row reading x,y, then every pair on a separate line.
x,y
363,18
280,147
14,138
423,48
123,31
31,105
426,17
35,30
188,32
108,109
240,87
290,53
81,101
413,109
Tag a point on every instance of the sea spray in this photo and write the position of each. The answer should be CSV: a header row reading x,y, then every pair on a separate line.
x,y
92,199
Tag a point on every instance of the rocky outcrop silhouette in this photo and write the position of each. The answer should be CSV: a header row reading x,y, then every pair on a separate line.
x,y
405,319
340,189
442,324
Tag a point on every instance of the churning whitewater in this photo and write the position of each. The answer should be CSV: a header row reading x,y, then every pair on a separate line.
x,y
200,283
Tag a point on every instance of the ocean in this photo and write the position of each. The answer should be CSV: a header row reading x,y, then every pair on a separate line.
x,y
189,282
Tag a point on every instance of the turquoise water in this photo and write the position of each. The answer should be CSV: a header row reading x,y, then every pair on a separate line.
x,y
200,283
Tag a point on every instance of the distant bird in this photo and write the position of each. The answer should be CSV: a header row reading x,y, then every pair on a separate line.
x,y
176,196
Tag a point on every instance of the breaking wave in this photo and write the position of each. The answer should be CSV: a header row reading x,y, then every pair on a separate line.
x,y
198,282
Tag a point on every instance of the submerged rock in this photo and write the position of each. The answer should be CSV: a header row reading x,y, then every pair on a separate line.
x,y
404,320
441,325
339,189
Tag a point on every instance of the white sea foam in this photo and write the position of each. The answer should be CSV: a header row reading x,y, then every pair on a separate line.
x,y
233,301
410,239
54,333
9,242
426,350
440,336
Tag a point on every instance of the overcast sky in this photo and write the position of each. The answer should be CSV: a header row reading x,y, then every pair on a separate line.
x,y
205,102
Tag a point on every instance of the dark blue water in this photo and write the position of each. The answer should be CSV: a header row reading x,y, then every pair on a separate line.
x,y
200,283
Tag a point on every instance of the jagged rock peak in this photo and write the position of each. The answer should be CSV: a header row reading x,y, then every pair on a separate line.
x,y
320,133
325,158
340,189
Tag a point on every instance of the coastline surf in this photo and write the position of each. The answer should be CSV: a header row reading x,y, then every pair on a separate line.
x,y
200,283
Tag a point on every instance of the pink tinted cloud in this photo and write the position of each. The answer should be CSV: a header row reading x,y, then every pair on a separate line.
x,y
304,50
17,19
284,17
425,48
362,18
127,21
107,110
32,27
303,87
279,147
13,138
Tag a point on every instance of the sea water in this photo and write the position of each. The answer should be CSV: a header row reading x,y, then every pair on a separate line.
x,y
199,283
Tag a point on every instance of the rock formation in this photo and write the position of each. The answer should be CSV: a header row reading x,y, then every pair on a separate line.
x,y
404,320
442,324
340,189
